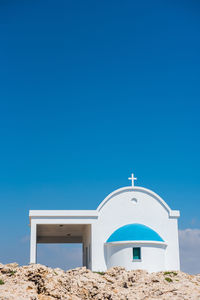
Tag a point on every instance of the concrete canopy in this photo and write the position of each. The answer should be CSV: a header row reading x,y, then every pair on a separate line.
x,y
60,233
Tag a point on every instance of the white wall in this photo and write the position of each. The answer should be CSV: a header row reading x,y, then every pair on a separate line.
x,y
152,257
120,210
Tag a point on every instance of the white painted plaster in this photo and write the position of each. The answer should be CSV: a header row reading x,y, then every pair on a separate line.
x,y
152,257
33,243
116,210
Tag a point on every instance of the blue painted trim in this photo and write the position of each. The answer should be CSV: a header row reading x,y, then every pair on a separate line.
x,y
134,232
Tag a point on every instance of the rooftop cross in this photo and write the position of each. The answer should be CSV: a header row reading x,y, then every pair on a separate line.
x,y
132,178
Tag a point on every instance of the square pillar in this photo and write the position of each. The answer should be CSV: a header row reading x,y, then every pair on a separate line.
x,y
33,243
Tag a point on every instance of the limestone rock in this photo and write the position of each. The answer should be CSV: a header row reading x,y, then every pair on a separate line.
x,y
38,282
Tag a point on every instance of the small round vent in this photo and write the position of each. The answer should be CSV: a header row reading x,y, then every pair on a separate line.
x,y
134,200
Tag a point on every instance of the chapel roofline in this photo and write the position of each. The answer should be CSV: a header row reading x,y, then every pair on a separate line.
x,y
95,213
172,213
63,213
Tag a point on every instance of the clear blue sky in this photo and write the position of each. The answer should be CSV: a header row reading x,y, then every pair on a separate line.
x,y
91,91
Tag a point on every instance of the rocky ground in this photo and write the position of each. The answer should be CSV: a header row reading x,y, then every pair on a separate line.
x,y
37,282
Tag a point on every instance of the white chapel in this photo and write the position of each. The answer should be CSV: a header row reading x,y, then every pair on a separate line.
x,y
132,227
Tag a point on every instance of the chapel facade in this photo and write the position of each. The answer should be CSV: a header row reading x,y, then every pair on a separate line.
x,y
133,227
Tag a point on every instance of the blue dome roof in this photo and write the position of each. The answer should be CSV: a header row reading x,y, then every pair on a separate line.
x,y
134,232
